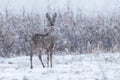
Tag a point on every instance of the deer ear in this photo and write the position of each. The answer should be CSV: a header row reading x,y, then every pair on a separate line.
x,y
55,15
47,16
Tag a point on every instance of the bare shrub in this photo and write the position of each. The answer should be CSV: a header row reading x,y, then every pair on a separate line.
x,y
79,32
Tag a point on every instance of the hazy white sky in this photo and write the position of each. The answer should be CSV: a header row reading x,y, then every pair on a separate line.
x,y
40,6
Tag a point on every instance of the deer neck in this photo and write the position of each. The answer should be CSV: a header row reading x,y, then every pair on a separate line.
x,y
50,30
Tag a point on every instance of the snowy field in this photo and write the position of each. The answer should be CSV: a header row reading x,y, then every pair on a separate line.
x,y
66,67
102,66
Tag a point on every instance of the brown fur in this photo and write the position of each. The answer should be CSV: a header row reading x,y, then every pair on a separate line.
x,y
44,41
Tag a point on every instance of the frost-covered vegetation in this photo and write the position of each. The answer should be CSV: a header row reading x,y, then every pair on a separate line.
x,y
77,32
82,26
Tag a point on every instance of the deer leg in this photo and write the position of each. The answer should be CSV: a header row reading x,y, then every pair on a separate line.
x,y
48,59
51,59
31,61
40,57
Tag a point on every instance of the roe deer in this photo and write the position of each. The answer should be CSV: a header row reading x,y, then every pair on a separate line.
x,y
44,41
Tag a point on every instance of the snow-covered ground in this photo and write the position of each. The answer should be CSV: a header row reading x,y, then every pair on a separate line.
x,y
66,67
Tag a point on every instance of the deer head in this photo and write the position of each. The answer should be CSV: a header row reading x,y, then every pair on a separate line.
x,y
52,19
